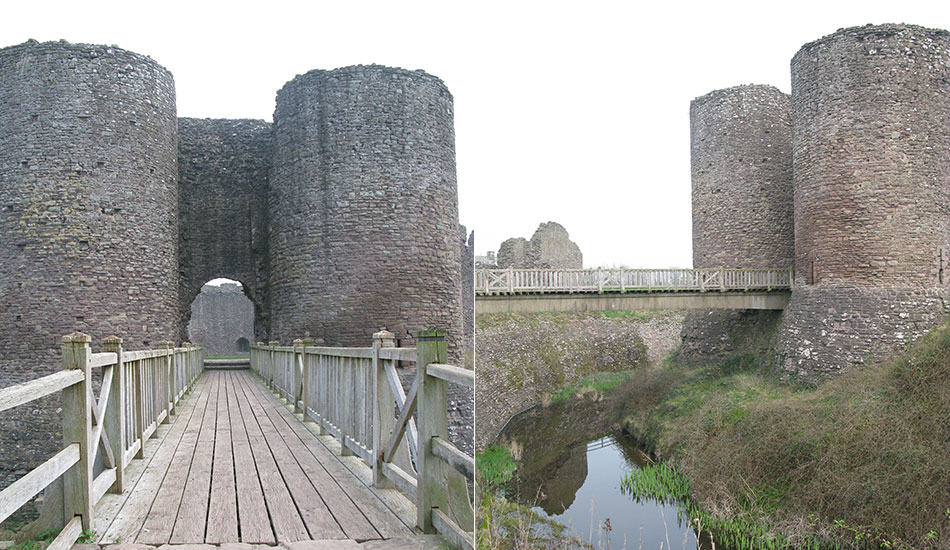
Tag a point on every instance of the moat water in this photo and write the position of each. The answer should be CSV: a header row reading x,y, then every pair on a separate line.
x,y
569,471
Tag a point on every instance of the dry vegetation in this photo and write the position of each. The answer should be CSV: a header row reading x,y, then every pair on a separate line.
x,y
861,460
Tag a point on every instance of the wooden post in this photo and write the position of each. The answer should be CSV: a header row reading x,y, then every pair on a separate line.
x,y
722,279
77,428
272,364
383,407
344,396
307,380
511,279
116,411
322,407
188,356
169,379
432,422
138,404
296,369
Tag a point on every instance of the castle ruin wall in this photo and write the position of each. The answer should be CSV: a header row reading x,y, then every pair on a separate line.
x,y
871,162
364,208
224,167
741,172
88,217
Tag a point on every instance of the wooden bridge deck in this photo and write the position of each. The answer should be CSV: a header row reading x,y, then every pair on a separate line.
x,y
235,465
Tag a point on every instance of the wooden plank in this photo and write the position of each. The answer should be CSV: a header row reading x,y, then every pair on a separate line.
x,y
77,428
98,412
222,506
462,463
101,485
22,490
453,374
160,521
456,535
102,359
252,509
365,353
404,422
67,537
405,482
143,478
132,451
398,354
19,394
313,510
143,354
345,493
192,515
287,523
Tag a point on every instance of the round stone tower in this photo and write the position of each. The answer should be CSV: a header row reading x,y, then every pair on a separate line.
x,y
364,207
88,207
871,158
741,159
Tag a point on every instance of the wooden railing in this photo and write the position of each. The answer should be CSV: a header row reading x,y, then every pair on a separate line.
x,y
515,281
354,394
139,391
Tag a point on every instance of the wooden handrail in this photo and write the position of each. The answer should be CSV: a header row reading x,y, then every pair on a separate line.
x,y
352,393
624,280
91,422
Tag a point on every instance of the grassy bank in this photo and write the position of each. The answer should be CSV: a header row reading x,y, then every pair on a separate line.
x,y
861,460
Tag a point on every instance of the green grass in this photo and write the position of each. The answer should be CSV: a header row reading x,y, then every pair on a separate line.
x,y
601,383
859,460
495,465
735,532
41,540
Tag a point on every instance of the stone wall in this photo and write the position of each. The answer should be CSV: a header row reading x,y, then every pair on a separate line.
x,y
741,168
88,218
220,316
364,208
871,120
871,115
222,201
468,294
825,330
522,358
741,171
549,248
513,252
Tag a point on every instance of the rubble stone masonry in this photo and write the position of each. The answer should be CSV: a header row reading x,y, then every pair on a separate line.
x,y
871,164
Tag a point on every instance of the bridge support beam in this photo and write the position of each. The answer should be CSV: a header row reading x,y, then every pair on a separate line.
x,y
547,303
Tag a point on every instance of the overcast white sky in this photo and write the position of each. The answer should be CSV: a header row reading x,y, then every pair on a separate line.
x,y
572,112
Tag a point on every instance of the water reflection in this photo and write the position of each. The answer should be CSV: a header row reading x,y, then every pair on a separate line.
x,y
570,471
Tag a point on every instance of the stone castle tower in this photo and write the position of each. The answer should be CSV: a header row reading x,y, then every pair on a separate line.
x,y
870,173
339,218
741,165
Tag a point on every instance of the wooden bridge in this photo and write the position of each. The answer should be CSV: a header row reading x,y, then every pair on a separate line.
x,y
310,443
550,290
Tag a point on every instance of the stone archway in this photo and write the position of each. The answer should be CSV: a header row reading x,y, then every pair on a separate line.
x,y
222,319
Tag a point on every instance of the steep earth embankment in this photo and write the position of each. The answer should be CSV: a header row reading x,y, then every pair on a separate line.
x,y
522,359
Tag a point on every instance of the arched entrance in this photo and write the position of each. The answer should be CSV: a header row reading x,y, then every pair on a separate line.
x,y
222,319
